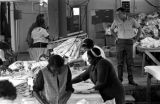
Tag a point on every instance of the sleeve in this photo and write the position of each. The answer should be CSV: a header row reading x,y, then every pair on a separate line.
x,y
135,23
82,77
102,74
85,57
113,26
69,83
38,82
45,33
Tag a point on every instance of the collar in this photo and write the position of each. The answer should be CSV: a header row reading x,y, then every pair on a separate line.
x,y
95,61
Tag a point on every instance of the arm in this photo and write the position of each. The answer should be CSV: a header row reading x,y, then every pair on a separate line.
x,y
82,77
38,86
29,38
137,25
138,33
69,83
30,30
38,82
75,61
102,74
38,97
84,57
45,34
113,26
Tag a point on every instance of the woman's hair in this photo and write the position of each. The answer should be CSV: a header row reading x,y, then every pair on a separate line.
x,y
1,62
88,43
121,9
56,61
94,52
40,22
7,90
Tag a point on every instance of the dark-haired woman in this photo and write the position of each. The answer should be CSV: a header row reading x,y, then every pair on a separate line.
x,y
38,38
53,83
103,75
40,22
39,34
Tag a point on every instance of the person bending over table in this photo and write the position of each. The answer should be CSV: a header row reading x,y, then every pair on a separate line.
x,y
103,75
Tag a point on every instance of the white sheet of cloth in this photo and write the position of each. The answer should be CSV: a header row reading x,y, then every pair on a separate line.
x,y
154,71
69,48
2,56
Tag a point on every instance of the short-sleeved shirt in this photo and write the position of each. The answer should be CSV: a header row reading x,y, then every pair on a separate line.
x,y
39,34
85,56
125,29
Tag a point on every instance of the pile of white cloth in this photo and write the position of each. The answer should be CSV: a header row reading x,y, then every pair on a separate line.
x,y
69,48
149,42
28,65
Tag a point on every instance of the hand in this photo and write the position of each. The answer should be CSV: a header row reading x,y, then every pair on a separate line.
x,y
135,39
71,64
91,89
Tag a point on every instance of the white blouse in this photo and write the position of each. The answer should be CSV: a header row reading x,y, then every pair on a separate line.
x,y
39,34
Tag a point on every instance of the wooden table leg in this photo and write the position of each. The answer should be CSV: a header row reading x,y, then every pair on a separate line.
x,y
148,97
143,62
152,57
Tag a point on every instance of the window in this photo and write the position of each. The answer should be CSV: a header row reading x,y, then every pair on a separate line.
x,y
76,11
74,21
126,5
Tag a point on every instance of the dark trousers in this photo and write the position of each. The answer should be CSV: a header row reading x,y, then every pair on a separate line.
x,y
124,49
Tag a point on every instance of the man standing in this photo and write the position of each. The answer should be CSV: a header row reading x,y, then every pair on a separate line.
x,y
125,36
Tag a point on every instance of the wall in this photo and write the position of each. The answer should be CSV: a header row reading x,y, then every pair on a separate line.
x,y
99,4
137,6
29,14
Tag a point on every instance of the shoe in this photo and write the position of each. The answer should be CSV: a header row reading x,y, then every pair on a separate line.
x,y
133,83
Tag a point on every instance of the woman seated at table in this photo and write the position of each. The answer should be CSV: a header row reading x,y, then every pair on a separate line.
x,y
53,83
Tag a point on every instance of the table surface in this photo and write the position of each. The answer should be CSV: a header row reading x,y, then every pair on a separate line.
x,y
154,71
140,48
